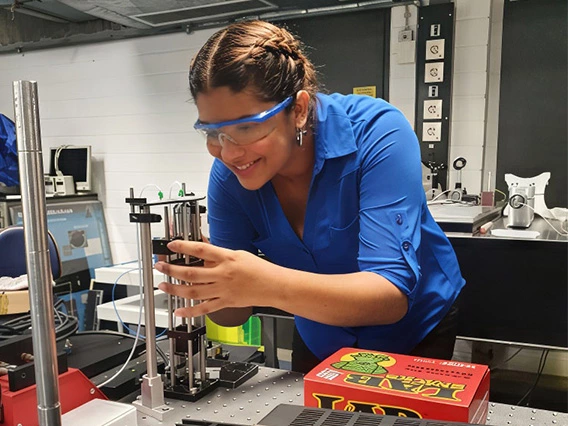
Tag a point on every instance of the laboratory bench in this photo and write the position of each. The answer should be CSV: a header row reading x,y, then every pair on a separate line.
x,y
249,403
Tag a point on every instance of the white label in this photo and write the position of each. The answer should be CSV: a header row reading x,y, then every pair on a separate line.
x,y
433,109
435,30
433,91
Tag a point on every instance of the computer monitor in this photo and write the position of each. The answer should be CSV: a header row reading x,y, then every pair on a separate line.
x,y
70,160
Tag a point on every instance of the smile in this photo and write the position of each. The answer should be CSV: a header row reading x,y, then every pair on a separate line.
x,y
246,166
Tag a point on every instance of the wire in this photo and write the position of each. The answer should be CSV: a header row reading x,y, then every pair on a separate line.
x,y
540,369
501,364
116,333
116,310
141,290
439,195
56,159
546,220
151,185
180,192
502,193
137,336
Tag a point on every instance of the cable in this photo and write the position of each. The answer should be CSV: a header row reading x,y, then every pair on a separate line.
x,y
502,193
180,192
546,220
116,333
116,310
439,195
501,364
151,185
141,290
56,159
540,369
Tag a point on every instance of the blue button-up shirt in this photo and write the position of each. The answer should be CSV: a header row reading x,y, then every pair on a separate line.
x,y
366,211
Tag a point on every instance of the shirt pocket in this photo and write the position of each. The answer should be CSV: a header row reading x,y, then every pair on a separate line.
x,y
345,206
343,253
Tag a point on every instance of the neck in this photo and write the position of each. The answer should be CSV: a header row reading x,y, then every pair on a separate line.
x,y
301,164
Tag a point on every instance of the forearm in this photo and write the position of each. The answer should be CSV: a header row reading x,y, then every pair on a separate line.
x,y
356,299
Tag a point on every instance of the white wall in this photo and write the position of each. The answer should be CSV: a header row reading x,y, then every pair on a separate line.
x,y
130,101
474,123
469,88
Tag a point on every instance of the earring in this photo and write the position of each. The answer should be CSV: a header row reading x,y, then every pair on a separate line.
x,y
300,136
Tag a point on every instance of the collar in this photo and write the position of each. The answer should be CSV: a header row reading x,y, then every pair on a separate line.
x,y
333,131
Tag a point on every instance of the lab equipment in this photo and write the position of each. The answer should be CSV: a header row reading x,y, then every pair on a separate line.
x,y
186,376
521,203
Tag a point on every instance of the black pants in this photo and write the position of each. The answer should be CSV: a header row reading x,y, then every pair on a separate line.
x,y
439,343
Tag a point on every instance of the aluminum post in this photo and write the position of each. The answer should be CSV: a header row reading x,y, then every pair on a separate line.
x,y
37,251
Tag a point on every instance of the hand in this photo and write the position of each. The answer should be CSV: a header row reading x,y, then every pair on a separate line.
x,y
228,279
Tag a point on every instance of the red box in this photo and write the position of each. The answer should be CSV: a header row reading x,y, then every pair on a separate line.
x,y
399,385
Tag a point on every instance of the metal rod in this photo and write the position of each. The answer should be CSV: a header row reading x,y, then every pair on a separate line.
x,y
37,251
148,282
185,226
171,318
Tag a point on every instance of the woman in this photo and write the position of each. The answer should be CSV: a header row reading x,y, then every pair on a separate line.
x,y
329,188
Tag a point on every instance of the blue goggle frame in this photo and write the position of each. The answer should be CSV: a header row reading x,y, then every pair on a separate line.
x,y
257,118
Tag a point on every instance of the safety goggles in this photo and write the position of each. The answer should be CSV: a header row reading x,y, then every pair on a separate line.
x,y
243,131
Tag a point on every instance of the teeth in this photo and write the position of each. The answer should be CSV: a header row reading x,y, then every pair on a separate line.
x,y
246,166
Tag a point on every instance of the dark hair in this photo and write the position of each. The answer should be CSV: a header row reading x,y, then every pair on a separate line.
x,y
254,55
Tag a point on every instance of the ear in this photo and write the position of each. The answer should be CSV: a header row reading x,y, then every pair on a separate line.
x,y
301,109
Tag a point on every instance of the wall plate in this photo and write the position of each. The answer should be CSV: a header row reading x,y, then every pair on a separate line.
x,y
432,132
434,72
435,49
433,109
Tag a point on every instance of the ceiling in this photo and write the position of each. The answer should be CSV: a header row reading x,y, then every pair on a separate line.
x,y
34,24
161,13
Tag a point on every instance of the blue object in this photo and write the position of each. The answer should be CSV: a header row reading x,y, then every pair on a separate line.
x,y
8,153
366,211
257,118
13,249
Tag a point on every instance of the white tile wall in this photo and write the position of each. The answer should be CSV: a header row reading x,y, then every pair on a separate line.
x,y
471,9
129,100
492,132
469,85
471,32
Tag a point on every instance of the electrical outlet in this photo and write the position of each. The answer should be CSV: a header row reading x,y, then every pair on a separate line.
x,y
433,109
435,49
434,72
405,35
432,132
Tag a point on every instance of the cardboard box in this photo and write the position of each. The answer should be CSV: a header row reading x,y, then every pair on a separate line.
x,y
399,385
14,302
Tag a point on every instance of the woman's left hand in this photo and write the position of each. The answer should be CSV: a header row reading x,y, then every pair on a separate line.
x,y
228,279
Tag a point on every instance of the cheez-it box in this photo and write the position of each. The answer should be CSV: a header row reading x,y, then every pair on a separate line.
x,y
399,385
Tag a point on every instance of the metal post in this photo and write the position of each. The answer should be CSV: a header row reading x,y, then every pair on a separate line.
x,y
185,226
37,252
196,236
152,386
171,316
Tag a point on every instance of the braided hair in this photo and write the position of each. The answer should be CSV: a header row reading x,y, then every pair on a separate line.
x,y
253,55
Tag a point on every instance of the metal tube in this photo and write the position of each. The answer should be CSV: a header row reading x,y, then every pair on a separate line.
x,y
148,282
171,318
37,252
185,226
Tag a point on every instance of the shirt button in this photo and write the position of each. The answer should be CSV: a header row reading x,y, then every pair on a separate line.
x,y
399,219
406,245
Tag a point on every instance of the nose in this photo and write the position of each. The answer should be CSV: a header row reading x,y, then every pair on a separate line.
x,y
230,151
